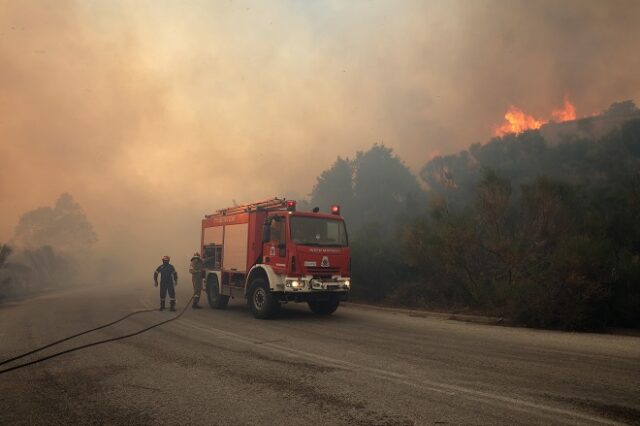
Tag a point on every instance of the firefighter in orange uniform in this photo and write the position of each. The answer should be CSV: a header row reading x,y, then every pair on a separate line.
x,y
195,269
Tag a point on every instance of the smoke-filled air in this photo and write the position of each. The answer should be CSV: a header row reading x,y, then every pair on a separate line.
x,y
319,212
123,123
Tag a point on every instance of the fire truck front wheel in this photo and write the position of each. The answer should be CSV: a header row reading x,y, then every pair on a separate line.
x,y
324,307
262,303
215,299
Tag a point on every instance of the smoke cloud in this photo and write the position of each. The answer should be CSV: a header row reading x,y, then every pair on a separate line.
x,y
153,113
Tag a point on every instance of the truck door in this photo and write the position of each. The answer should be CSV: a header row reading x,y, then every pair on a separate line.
x,y
275,251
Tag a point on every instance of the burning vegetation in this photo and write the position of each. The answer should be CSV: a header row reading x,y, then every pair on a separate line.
x,y
566,113
517,121
516,227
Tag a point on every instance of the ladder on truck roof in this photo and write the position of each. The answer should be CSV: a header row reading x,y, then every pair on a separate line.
x,y
269,204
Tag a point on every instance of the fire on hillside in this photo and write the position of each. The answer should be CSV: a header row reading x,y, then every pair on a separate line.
x,y
517,121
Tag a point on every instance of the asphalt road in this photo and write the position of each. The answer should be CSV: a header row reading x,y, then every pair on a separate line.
x,y
357,367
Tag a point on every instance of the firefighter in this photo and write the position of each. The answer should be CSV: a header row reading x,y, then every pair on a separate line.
x,y
196,277
168,279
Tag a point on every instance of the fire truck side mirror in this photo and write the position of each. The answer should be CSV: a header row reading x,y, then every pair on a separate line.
x,y
266,231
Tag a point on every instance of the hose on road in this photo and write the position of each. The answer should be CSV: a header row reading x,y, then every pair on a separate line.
x,y
57,342
88,345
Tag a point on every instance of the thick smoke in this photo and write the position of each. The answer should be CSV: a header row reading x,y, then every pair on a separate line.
x,y
153,113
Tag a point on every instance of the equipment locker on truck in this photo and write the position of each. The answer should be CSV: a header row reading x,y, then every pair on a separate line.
x,y
272,254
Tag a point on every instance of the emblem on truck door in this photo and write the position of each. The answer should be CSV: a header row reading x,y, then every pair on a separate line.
x,y
325,262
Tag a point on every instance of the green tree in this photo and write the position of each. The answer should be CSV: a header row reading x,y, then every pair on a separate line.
x,y
335,186
377,193
63,226
14,276
549,237
5,278
385,190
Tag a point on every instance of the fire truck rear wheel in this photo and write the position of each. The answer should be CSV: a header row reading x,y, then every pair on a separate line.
x,y
326,307
215,299
262,303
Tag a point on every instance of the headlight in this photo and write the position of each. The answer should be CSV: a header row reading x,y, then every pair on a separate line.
x,y
347,283
295,284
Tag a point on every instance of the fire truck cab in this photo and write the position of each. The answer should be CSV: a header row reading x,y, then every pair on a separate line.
x,y
272,254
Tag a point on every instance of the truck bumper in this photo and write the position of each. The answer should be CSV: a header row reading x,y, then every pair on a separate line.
x,y
307,288
316,296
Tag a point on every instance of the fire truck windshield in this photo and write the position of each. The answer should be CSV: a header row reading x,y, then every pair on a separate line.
x,y
315,231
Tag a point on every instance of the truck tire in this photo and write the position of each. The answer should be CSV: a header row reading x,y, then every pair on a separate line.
x,y
326,307
262,303
215,299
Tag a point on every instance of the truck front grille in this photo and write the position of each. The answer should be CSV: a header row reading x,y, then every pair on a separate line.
x,y
323,271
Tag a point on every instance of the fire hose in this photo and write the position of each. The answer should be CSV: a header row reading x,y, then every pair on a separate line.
x,y
88,345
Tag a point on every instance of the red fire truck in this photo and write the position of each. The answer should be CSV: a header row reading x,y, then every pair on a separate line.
x,y
272,254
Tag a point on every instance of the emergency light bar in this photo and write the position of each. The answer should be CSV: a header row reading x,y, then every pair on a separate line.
x,y
335,209
291,205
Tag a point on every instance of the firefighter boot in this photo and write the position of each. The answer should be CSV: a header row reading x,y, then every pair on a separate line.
x,y
172,307
162,304
195,303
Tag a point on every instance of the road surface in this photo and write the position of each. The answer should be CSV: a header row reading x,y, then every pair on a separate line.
x,y
357,367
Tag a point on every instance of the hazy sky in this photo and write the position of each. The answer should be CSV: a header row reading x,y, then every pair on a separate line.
x,y
152,113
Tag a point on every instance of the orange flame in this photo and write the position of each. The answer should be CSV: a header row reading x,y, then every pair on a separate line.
x,y
566,113
517,122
